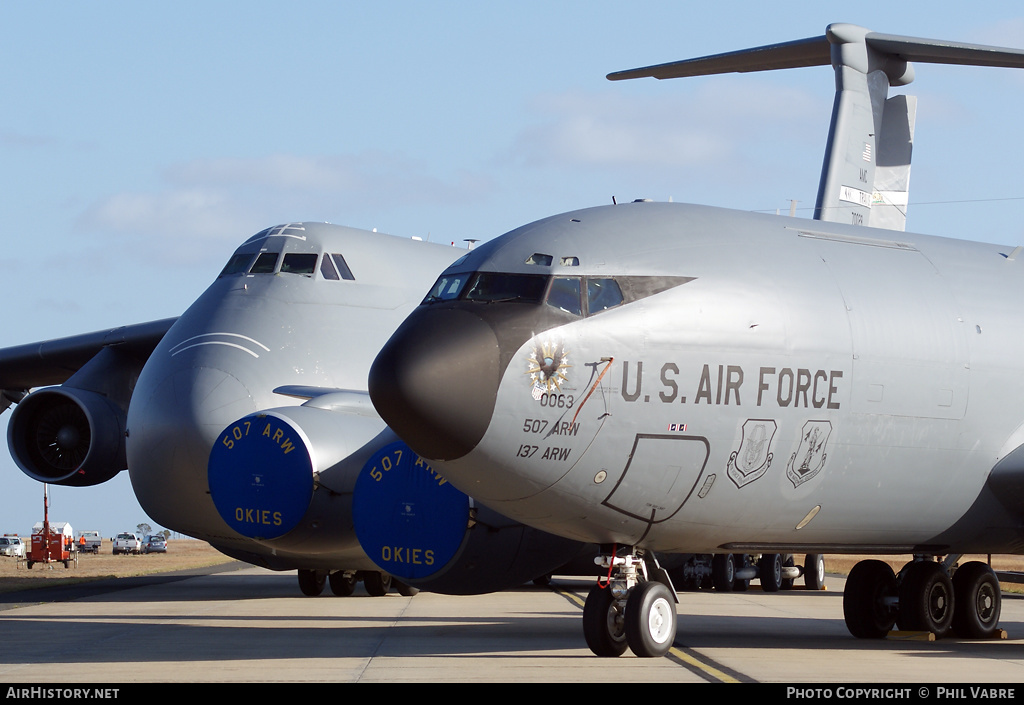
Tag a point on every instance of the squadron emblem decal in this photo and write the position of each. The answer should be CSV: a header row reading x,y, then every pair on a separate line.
x,y
810,456
753,457
547,366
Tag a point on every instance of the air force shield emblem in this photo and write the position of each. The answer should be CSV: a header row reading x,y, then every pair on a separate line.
x,y
810,456
753,457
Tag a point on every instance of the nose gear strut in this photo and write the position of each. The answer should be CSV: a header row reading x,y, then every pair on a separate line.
x,y
635,607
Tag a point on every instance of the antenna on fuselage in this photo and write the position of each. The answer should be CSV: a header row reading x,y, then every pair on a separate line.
x,y
865,178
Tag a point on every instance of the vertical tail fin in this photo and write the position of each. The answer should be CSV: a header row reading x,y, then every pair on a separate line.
x,y
865,178
892,164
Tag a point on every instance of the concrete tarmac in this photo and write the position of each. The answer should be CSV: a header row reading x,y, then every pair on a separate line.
x,y
253,625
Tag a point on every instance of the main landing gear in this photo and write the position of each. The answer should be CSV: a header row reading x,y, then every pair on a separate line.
x,y
634,608
728,572
923,597
343,583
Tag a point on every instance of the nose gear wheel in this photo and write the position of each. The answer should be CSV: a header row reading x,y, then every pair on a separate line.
x,y
631,609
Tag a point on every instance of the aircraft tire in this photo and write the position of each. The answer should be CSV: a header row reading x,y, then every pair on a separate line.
x,y
927,601
814,571
603,623
377,584
978,601
342,585
866,614
650,619
311,582
769,569
723,571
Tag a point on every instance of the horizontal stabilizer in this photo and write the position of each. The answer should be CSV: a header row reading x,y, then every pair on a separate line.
x,y
816,51
934,51
813,51
865,179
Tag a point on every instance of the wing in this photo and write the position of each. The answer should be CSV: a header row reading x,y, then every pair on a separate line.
x,y
24,367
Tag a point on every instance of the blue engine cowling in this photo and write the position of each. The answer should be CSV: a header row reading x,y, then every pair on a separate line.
x,y
309,479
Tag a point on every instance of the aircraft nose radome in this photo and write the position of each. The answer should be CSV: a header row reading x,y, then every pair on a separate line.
x,y
435,381
176,415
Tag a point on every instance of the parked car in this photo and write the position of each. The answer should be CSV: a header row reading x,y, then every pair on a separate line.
x,y
155,544
12,546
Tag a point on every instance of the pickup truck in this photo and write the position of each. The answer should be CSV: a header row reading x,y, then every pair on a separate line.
x,y
127,543
91,543
12,546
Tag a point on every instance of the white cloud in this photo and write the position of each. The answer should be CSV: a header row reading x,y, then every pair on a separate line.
x,y
279,172
701,127
206,202
190,217
372,177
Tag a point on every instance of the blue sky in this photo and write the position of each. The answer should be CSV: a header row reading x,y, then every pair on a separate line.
x,y
141,142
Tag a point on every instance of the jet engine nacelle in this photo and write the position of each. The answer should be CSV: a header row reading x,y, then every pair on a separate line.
x,y
417,527
68,436
277,475
314,479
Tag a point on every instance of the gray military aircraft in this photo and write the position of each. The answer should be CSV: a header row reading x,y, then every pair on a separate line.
x,y
246,422
677,378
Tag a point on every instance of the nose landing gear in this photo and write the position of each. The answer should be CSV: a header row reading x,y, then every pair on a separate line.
x,y
634,608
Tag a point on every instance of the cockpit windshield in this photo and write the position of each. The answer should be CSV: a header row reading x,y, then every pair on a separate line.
x,y
495,286
299,263
601,294
447,287
332,266
488,287
265,263
575,295
238,263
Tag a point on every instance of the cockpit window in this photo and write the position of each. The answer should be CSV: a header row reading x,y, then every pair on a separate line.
x,y
447,287
494,286
327,270
342,265
564,294
299,263
578,296
237,264
265,263
602,294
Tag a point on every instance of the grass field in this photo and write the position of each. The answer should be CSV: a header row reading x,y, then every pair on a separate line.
x,y
182,554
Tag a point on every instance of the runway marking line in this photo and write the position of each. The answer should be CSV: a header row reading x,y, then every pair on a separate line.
x,y
679,654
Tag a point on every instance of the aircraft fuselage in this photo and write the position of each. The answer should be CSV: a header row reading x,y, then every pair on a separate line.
x,y
790,385
256,330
